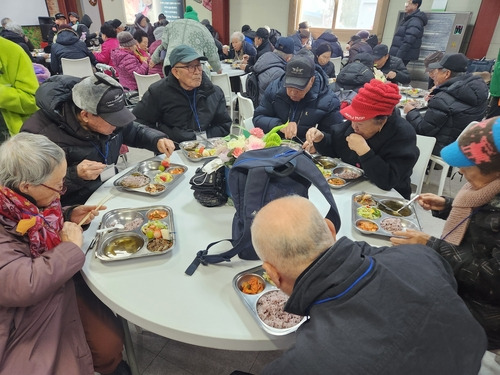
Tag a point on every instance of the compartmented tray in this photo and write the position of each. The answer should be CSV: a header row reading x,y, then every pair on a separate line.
x,y
375,214
147,178
135,240
255,276
337,173
200,150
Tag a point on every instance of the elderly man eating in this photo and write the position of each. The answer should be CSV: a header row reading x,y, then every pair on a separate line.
x,y
185,103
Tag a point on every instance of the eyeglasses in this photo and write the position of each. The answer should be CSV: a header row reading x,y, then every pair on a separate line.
x,y
191,68
60,192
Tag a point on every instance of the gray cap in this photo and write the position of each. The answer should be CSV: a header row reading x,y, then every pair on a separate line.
x,y
102,96
184,54
299,71
456,62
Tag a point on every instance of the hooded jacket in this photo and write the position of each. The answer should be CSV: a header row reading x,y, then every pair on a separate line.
x,y
359,46
319,106
57,120
126,63
68,45
408,37
166,106
453,106
269,68
332,40
380,311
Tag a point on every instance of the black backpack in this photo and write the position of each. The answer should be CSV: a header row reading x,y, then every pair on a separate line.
x,y
256,178
252,88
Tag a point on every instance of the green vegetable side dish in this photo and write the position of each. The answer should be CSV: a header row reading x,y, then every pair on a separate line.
x,y
369,212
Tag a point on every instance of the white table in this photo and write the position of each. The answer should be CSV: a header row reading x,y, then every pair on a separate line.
x,y
203,309
231,72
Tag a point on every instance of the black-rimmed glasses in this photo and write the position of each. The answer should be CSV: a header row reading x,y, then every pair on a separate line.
x,y
191,68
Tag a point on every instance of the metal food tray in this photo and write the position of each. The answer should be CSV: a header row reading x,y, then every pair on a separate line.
x,y
250,301
408,222
150,169
334,166
196,143
124,216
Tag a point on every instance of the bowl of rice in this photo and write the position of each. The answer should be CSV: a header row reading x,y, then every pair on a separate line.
x,y
270,310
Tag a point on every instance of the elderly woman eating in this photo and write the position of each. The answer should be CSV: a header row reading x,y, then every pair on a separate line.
x,y
375,138
470,241
40,251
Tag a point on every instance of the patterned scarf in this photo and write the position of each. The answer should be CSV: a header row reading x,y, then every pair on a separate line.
x,y
466,200
42,227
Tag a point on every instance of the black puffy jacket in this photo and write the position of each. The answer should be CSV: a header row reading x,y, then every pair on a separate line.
x,y
454,105
332,40
68,45
396,65
57,120
166,106
319,106
408,37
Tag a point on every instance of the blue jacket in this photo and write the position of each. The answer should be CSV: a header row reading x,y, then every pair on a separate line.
x,y
68,45
248,49
332,40
408,37
297,41
393,310
320,106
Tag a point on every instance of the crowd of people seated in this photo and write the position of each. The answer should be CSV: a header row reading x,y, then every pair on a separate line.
x,y
351,114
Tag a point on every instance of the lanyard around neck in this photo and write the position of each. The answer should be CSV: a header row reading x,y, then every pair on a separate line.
x,y
105,155
192,105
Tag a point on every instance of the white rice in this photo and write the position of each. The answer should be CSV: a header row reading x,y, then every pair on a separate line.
x,y
270,309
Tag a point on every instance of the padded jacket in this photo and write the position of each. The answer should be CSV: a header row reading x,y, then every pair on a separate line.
x,y
57,120
107,47
319,106
68,45
332,40
269,68
408,37
359,46
393,153
166,107
380,311
352,77
476,265
396,65
453,106
265,47
126,63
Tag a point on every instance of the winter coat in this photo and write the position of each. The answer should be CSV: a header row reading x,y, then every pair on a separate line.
x,y
358,46
352,77
149,29
328,68
408,37
393,153
396,65
332,40
40,327
495,78
126,63
476,265
297,41
386,310
18,84
319,106
69,46
269,68
192,33
57,120
266,46
158,68
166,106
246,49
18,39
453,106
107,47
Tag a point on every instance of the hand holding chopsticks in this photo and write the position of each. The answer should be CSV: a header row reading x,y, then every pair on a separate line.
x,y
99,205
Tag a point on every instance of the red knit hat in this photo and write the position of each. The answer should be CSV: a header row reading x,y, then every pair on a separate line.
x,y
375,98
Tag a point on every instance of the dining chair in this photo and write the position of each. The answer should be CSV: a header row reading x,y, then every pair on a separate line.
x,y
337,62
222,80
245,108
243,83
425,145
434,159
144,81
77,67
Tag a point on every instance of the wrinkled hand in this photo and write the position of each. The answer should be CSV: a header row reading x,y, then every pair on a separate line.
x,y
71,232
408,107
430,201
89,170
243,66
313,135
225,50
357,143
410,237
390,75
290,130
165,146
79,213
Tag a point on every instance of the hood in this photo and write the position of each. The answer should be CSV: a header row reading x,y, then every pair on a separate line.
x,y
53,93
469,89
67,37
86,20
12,36
328,37
419,14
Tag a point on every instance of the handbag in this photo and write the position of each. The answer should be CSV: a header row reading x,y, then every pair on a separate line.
x,y
481,65
209,184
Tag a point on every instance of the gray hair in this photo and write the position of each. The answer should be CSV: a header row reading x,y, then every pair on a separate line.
x,y
5,21
283,55
30,158
14,27
239,35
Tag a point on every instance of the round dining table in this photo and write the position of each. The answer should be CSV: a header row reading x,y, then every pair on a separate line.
x,y
203,309
229,70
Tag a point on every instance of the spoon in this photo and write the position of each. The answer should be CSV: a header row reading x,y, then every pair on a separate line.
x,y
409,202
394,213
116,226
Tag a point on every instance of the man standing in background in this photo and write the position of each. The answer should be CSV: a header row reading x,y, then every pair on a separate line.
x,y
408,37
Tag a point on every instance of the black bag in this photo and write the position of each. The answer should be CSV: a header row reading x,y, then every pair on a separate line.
x,y
481,65
256,178
252,88
209,184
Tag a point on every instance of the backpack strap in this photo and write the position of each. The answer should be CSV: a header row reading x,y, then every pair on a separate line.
x,y
202,255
